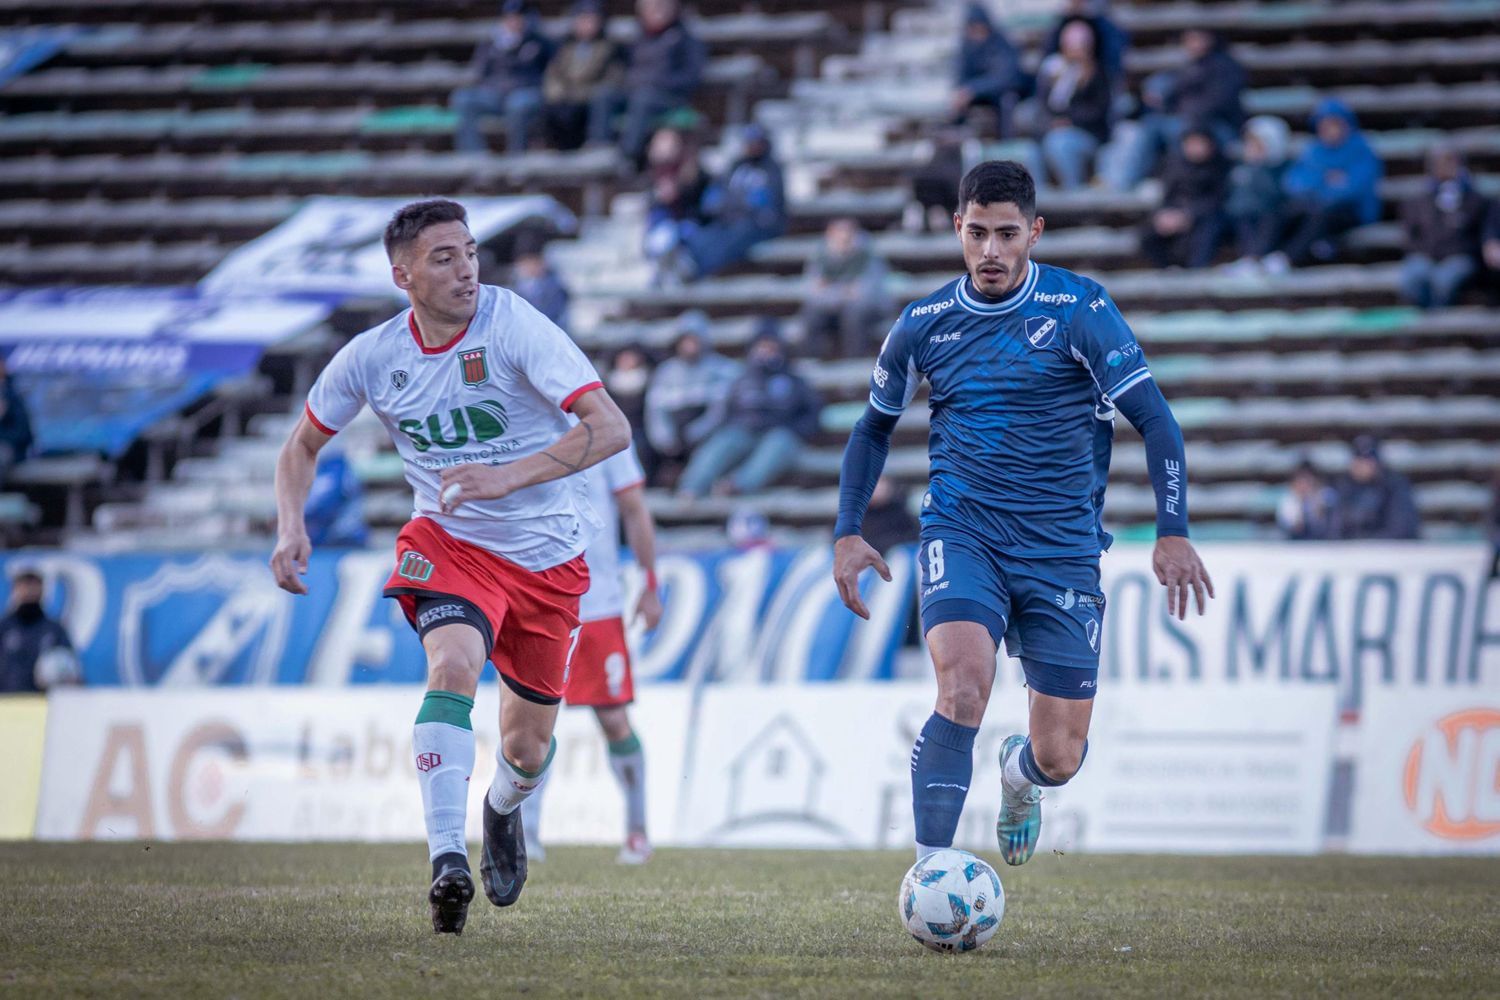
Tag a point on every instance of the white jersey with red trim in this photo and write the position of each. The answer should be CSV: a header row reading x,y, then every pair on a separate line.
x,y
498,392
606,594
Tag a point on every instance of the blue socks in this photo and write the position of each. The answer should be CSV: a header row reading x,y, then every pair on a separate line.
x,y
1035,775
942,765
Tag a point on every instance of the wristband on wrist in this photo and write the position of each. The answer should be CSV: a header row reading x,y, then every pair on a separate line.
x,y
651,579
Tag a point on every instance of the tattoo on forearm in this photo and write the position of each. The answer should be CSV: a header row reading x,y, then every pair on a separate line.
x,y
588,449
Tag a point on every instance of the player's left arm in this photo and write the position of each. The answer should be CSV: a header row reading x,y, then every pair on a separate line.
x,y
601,431
1103,342
640,535
1175,561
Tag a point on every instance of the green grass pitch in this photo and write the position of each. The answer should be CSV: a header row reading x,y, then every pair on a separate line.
x,y
335,921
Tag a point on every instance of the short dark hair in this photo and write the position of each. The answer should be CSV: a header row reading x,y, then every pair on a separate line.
x,y
409,221
996,182
27,574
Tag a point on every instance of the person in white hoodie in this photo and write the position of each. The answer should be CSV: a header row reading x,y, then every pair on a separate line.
x,y
1254,203
681,397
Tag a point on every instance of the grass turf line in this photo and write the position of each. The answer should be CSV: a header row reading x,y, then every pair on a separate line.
x,y
335,921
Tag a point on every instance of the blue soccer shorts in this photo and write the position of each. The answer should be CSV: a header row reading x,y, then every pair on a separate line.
x,y
1048,612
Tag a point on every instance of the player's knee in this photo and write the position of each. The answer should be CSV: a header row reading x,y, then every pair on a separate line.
x,y
526,752
963,701
450,668
614,722
1058,760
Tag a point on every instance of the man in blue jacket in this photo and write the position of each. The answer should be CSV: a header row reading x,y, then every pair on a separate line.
x,y
507,72
1331,188
988,70
768,416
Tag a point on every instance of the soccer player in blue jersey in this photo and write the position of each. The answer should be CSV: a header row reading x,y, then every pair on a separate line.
x,y
1027,365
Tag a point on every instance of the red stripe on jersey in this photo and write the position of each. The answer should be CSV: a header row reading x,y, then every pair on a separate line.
x,y
630,486
567,404
316,422
416,334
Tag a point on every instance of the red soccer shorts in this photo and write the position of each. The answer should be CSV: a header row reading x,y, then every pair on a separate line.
x,y
601,668
533,617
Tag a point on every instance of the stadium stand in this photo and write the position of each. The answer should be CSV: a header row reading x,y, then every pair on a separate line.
x,y
169,132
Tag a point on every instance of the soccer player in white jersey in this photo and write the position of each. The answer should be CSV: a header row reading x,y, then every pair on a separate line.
x,y
494,411
600,676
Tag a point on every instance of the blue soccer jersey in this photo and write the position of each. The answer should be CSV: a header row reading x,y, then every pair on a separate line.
x,y
1021,394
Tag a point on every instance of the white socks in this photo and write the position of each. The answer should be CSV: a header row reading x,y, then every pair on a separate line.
x,y
628,763
511,785
444,756
1014,780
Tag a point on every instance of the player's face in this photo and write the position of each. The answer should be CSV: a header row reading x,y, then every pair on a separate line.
x,y
997,241
440,271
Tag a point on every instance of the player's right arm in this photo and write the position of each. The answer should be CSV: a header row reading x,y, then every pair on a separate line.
x,y
333,401
892,384
295,468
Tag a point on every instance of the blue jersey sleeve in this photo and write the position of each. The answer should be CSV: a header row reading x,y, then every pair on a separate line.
x,y
895,378
1103,342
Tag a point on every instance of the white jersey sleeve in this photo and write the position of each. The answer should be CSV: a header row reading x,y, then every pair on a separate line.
x,y
339,392
551,362
606,594
622,470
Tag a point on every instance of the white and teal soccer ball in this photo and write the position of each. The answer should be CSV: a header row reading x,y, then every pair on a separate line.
x,y
951,901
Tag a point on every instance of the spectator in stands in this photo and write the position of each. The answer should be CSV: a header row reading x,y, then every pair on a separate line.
x,y
1113,41
1444,229
745,207
1331,188
534,280
581,78
1490,245
686,390
1206,92
1308,511
35,651
1071,115
1374,500
678,183
988,71
626,377
934,184
1254,205
666,70
768,416
335,511
846,299
506,81
15,425
1188,227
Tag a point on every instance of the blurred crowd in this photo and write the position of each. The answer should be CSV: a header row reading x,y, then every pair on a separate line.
x,y
1246,193
583,89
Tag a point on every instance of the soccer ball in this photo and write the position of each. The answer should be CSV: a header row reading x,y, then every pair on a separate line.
x,y
951,901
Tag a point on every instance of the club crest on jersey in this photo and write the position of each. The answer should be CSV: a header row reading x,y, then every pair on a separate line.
x,y
414,566
399,378
475,369
1040,330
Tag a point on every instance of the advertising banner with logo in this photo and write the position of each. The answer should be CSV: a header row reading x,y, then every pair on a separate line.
x,y
1207,770
1351,618
801,766
299,764
335,244
1429,773
97,366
